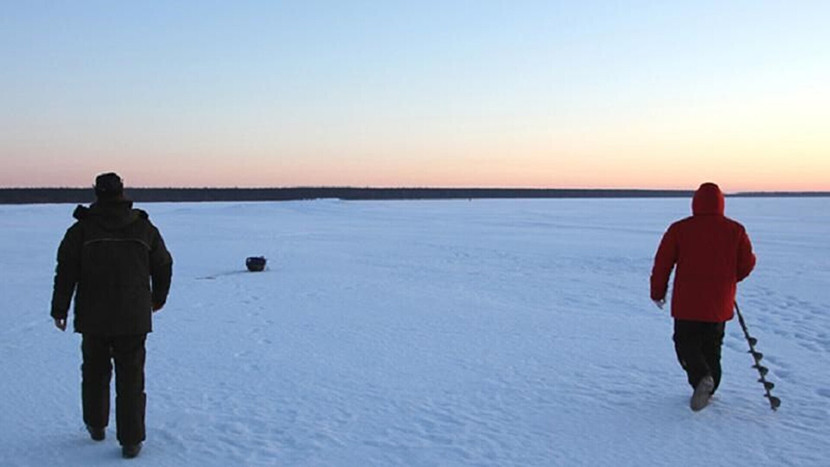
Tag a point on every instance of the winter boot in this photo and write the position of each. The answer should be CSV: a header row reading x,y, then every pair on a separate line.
x,y
128,451
703,391
97,434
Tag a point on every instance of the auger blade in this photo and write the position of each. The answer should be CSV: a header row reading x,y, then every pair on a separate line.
x,y
761,369
774,402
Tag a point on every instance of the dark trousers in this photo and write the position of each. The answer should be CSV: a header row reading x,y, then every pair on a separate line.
x,y
698,347
128,353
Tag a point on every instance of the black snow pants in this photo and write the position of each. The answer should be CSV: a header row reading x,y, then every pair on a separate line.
x,y
698,347
128,353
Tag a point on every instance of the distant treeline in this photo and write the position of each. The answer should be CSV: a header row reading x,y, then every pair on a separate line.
x,y
145,195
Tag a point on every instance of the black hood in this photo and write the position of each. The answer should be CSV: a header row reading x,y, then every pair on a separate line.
x,y
111,215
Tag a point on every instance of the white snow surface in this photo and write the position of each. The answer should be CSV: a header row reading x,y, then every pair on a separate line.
x,y
483,332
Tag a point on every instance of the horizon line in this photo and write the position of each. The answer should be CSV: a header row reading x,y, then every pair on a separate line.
x,y
424,188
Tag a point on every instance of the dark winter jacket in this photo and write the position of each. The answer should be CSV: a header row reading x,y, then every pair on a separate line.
x,y
115,263
712,254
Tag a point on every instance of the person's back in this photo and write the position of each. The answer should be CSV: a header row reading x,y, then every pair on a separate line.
x,y
121,252
712,253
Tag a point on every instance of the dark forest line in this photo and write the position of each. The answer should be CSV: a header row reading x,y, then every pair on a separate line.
x,y
148,195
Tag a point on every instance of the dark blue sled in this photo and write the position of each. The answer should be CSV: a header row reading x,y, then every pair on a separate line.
x,y
255,263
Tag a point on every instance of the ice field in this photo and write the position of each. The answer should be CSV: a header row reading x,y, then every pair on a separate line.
x,y
429,333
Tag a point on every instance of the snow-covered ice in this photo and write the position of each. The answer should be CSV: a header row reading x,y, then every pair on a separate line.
x,y
483,332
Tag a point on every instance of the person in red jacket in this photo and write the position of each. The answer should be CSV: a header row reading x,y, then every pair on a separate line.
x,y
711,254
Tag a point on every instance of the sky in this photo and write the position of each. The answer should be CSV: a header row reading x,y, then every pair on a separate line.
x,y
547,94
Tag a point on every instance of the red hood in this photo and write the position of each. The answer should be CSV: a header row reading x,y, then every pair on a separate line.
x,y
708,199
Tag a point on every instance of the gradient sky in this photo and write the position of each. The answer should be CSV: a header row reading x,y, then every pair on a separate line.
x,y
576,94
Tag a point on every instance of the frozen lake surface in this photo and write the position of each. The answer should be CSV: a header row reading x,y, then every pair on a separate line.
x,y
484,332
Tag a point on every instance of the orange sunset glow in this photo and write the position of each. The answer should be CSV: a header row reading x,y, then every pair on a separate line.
x,y
629,98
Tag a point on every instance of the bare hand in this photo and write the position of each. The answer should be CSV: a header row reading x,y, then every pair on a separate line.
x,y
60,323
660,303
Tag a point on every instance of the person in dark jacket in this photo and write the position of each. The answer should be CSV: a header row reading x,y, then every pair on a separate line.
x,y
711,253
114,262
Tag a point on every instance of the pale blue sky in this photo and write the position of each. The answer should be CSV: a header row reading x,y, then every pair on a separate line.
x,y
453,93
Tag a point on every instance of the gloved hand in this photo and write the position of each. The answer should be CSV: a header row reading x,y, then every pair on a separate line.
x,y
660,303
60,323
157,306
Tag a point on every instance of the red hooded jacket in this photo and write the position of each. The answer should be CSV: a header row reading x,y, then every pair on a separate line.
x,y
712,253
